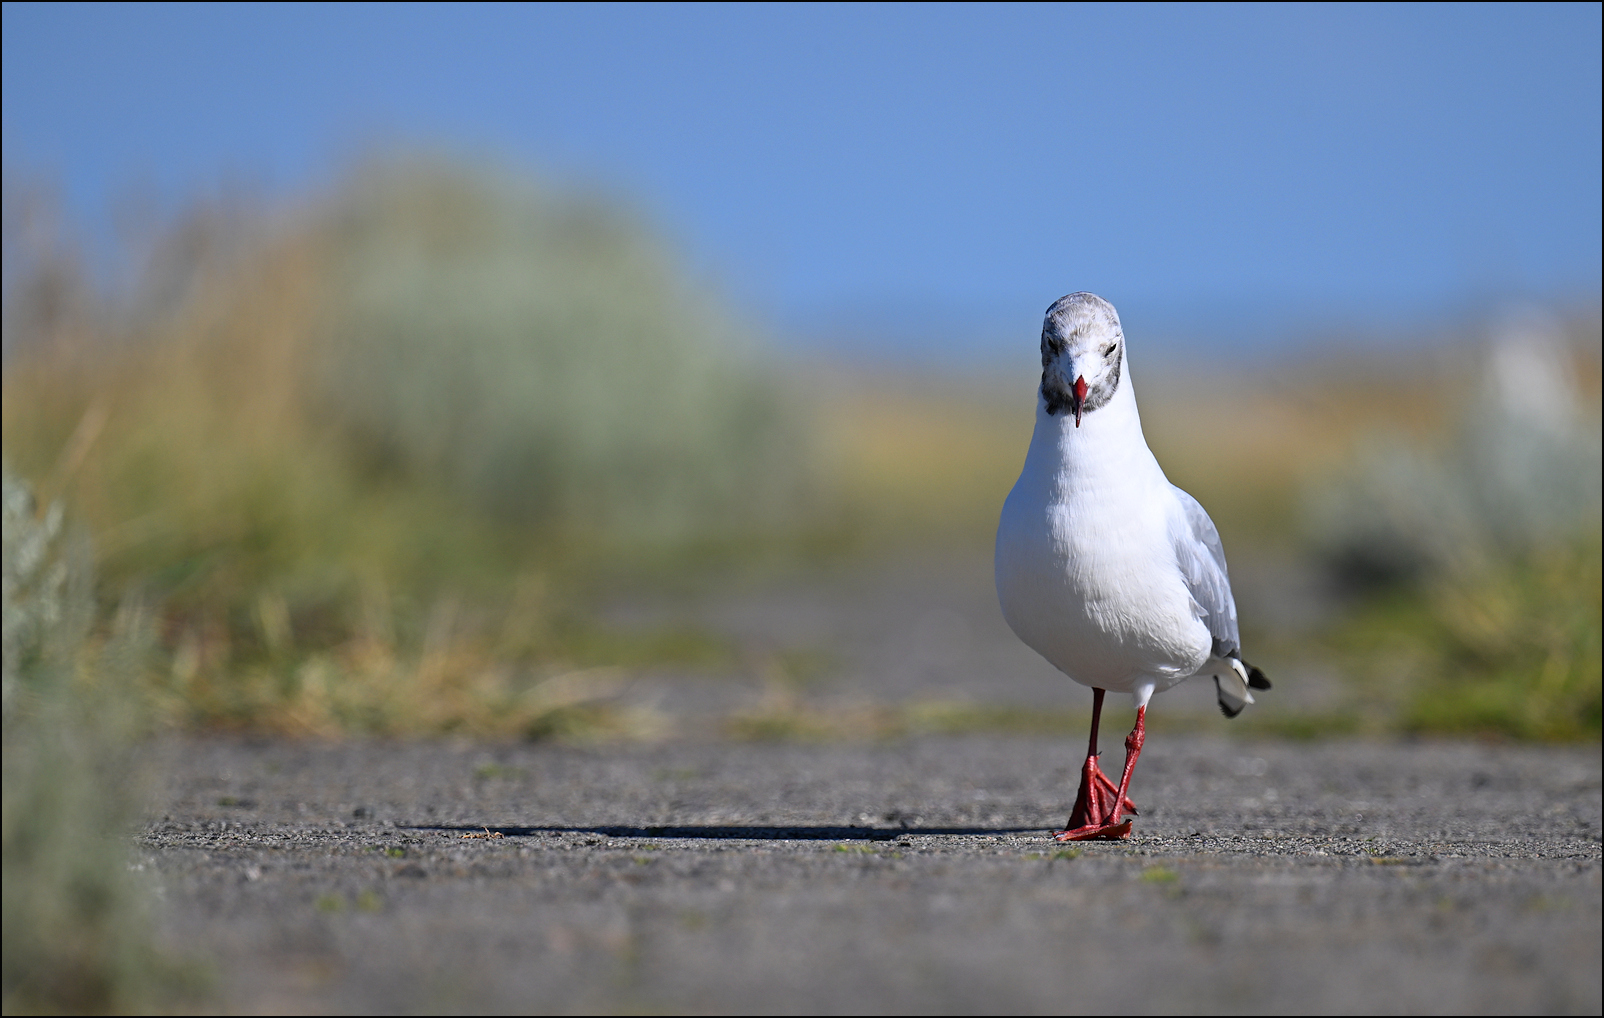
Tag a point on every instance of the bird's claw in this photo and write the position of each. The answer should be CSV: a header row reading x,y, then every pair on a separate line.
x,y
1098,804
1096,832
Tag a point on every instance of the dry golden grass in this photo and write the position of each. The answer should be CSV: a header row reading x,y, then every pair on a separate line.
x,y
305,584
933,456
315,575
923,458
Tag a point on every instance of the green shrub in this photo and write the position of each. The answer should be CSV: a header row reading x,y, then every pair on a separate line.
x,y
1476,567
367,457
75,928
1511,650
548,358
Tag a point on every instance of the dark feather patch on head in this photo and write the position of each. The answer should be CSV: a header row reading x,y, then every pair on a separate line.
x,y
1052,346
1065,319
1058,389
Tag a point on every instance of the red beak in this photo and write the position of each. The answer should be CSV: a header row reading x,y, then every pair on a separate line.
x,y
1080,397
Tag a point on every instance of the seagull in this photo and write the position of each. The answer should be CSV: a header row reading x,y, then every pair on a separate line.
x,y
1103,567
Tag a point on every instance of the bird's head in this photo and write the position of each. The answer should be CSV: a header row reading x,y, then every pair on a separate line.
x,y
1082,351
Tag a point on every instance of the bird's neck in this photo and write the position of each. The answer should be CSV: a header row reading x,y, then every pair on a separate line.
x,y
1107,449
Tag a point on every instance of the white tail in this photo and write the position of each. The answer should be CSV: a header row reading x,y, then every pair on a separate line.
x,y
1231,685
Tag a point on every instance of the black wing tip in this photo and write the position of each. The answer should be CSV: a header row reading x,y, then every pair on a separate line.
x,y
1257,679
1226,708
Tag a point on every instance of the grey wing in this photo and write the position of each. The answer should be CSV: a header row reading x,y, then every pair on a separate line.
x,y
1201,558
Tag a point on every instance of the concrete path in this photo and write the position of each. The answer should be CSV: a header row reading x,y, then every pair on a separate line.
x,y
912,876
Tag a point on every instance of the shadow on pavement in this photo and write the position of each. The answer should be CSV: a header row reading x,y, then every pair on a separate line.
x,y
740,833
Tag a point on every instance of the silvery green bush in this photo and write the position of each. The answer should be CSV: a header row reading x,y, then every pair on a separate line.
x,y
548,357
75,937
41,621
1520,475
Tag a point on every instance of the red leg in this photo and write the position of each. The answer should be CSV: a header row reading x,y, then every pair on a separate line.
x,y
1094,785
1133,749
1098,805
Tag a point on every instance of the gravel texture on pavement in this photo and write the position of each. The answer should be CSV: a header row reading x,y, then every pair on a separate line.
x,y
905,876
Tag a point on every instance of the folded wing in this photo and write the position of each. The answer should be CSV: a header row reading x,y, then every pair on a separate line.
x,y
1201,558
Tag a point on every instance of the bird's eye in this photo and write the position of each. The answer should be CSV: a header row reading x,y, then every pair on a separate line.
x,y
1108,351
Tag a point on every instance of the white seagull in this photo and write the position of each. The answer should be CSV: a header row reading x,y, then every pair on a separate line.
x,y
1104,567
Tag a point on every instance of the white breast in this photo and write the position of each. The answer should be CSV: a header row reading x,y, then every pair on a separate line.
x,y
1085,566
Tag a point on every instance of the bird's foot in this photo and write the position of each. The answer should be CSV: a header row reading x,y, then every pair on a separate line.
x,y
1095,802
1095,832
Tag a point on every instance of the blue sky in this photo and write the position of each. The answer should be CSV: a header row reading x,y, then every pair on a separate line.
x,y
943,170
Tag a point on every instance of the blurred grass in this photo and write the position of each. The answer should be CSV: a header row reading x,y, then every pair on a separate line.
x,y
921,459
1513,650
75,923
374,460
364,456
1472,563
